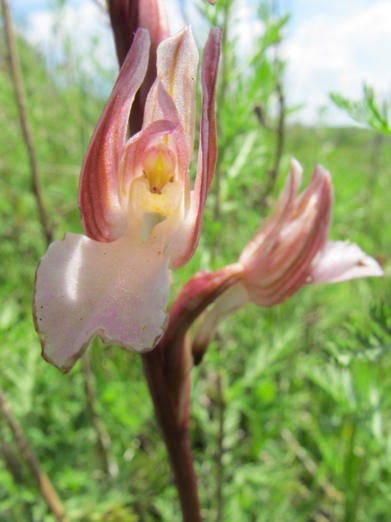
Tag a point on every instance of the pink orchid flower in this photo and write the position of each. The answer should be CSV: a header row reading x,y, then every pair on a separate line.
x,y
290,250
137,209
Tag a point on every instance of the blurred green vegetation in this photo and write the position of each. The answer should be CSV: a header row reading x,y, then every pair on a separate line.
x,y
303,389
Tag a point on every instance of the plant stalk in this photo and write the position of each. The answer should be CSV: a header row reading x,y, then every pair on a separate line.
x,y
175,435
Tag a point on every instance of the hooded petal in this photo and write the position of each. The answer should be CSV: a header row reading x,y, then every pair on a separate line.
x,y
184,243
281,263
268,232
116,290
177,60
104,219
340,261
179,141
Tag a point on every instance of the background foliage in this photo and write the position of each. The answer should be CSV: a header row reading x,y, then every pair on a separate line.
x,y
291,406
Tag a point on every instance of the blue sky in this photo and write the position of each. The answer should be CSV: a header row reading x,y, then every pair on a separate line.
x,y
330,45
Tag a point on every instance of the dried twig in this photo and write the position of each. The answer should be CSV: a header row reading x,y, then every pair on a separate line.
x,y
330,491
20,95
279,130
220,450
11,460
47,490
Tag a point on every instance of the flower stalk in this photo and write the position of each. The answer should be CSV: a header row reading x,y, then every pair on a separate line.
x,y
175,435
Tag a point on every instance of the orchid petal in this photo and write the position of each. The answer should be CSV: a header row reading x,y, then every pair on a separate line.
x,y
179,139
276,271
177,59
104,219
184,243
267,234
340,261
116,290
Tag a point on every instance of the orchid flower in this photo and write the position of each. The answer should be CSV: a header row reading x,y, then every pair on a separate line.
x,y
139,215
290,250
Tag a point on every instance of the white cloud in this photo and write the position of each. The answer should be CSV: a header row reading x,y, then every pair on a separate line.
x,y
247,27
326,53
81,27
331,46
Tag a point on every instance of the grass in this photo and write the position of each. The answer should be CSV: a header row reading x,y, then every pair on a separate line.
x,y
301,391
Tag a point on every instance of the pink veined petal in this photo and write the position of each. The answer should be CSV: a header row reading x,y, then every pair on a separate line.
x,y
309,219
340,261
231,300
117,291
177,60
152,16
270,229
184,243
102,215
280,271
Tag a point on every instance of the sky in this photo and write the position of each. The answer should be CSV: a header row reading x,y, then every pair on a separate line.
x,y
329,45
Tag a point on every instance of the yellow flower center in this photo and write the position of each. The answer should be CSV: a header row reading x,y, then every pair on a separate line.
x,y
159,167
156,197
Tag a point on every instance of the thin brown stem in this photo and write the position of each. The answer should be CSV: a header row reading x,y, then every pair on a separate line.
x,y
21,99
11,459
220,450
272,173
224,71
373,177
302,455
175,434
280,138
103,440
47,490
